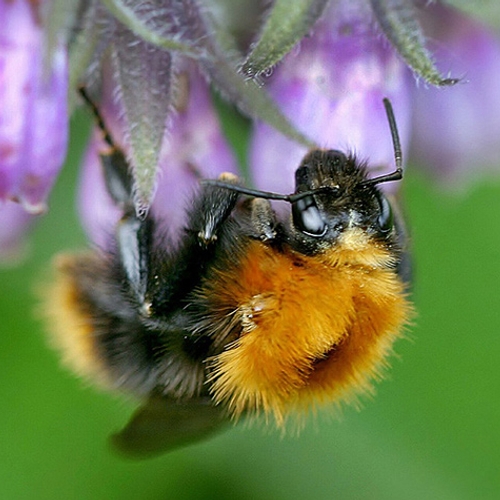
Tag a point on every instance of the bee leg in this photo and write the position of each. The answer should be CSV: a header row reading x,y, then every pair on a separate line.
x,y
116,168
134,239
263,220
210,210
119,182
134,234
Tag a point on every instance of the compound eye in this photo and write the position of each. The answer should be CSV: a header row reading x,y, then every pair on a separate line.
x,y
307,217
386,217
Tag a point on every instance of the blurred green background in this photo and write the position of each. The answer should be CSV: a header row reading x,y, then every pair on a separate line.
x,y
431,432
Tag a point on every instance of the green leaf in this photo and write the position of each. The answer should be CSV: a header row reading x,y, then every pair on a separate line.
x,y
398,21
286,25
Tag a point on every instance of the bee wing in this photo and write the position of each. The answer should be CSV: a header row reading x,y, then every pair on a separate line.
x,y
163,424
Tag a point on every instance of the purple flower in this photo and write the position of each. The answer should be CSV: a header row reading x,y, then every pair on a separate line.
x,y
327,91
331,88
332,84
33,110
456,130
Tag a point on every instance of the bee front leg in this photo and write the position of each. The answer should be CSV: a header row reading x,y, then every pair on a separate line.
x,y
210,210
264,225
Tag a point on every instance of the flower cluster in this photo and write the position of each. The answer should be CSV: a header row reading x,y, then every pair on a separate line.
x,y
307,72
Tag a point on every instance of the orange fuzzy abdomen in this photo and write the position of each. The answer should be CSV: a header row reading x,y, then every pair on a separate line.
x,y
312,328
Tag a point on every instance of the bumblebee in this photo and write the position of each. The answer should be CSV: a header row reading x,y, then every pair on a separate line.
x,y
251,313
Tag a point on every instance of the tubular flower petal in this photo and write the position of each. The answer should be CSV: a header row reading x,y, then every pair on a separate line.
x,y
33,111
331,88
456,129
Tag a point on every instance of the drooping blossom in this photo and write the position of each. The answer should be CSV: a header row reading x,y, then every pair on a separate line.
x,y
326,89
331,88
332,84
33,117
33,111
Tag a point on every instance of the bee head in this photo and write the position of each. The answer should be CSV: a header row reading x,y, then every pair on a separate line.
x,y
333,194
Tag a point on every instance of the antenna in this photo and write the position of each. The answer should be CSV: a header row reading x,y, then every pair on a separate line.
x,y
291,198
398,153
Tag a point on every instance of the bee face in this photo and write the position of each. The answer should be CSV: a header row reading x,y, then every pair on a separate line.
x,y
249,314
341,204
